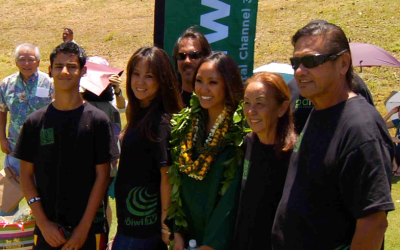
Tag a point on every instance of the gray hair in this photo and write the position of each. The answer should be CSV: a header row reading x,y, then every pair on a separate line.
x,y
27,45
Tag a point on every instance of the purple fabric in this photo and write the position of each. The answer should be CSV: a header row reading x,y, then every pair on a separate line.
x,y
366,55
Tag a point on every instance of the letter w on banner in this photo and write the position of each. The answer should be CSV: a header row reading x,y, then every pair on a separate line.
x,y
228,25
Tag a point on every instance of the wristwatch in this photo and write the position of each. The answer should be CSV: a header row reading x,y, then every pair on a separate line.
x,y
118,94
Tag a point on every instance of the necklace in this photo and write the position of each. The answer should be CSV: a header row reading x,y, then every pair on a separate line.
x,y
188,130
212,146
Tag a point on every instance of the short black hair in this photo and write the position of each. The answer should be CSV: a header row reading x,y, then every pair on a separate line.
x,y
69,48
335,40
69,30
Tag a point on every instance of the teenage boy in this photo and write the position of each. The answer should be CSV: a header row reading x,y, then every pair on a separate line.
x,y
65,150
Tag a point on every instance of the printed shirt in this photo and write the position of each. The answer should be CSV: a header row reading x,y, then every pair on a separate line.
x,y
22,99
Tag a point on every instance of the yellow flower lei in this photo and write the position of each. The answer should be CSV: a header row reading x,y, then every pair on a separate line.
x,y
231,132
199,167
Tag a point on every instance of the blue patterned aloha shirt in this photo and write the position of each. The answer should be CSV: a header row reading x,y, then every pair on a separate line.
x,y
22,100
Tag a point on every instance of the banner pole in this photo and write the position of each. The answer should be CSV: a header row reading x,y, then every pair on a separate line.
x,y
159,23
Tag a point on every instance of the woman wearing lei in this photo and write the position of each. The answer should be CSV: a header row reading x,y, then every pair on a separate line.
x,y
141,188
207,157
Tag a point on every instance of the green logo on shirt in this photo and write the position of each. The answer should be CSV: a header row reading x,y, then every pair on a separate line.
x,y
298,143
246,169
46,136
140,203
305,103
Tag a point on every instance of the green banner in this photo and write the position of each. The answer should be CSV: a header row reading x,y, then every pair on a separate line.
x,y
228,25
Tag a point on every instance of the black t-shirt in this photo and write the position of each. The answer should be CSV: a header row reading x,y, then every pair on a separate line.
x,y
65,147
302,107
361,88
263,179
339,172
138,181
186,96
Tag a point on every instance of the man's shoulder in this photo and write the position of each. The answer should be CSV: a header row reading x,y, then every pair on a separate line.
x,y
36,117
40,112
361,120
43,74
96,114
361,111
11,79
44,80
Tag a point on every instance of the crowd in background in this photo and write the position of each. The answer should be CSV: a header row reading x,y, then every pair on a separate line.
x,y
206,161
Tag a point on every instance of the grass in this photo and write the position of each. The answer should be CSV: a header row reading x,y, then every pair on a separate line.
x,y
392,234
114,29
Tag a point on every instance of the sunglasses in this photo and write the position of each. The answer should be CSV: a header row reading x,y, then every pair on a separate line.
x,y
313,61
192,55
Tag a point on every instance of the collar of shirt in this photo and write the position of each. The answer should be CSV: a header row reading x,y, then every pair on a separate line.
x,y
33,78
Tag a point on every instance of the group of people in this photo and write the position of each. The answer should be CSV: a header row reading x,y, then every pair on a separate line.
x,y
187,169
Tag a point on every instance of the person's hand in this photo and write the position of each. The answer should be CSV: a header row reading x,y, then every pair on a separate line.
x,y
78,238
5,146
51,234
394,110
165,233
179,242
115,81
204,247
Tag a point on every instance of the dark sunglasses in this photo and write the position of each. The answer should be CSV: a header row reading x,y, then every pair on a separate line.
x,y
192,55
312,61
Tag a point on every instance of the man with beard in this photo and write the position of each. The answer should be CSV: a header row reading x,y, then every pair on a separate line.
x,y
189,49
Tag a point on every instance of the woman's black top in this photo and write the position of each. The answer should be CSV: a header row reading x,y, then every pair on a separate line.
x,y
263,180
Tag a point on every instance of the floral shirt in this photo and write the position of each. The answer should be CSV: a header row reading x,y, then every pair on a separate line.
x,y
22,100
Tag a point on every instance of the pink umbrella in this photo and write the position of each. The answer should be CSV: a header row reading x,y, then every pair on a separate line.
x,y
96,78
367,55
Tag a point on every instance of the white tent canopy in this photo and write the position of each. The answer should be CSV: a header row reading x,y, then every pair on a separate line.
x,y
283,69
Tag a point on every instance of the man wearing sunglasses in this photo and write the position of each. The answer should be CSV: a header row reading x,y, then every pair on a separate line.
x,y
337,190
190,48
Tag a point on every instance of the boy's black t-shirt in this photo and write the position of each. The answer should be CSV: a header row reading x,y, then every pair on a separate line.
x,y
137,187
65,147
263,180
339,172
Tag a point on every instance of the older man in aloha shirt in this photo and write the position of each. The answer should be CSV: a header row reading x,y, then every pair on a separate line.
x,y
21,100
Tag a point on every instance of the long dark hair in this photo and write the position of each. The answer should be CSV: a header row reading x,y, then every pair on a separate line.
x,y
230,73
167,100
285,134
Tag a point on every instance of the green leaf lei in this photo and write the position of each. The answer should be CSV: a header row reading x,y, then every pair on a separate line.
x,y
181,124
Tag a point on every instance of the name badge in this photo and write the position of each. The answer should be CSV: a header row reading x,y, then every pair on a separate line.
x,y
42,92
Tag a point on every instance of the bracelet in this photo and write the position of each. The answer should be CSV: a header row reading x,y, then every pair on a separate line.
x,y
30,201
120,93
165,231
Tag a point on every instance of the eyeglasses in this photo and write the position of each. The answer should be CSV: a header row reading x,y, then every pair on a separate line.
x,y
313,61
192,55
